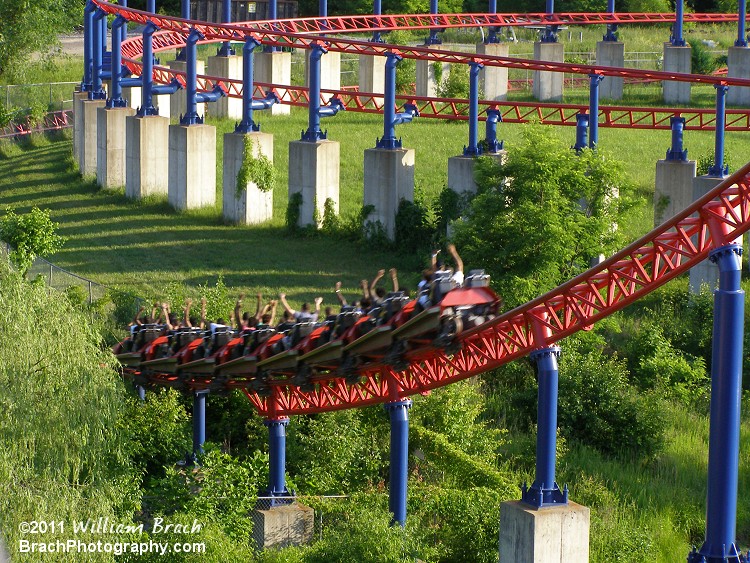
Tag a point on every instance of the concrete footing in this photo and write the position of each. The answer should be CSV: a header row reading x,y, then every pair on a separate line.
x,y
705,273
676,59
253,206
314,173
330,70
430,75
372,74
283,526
146,156
610,53
389,178
548,86
110,146
133,96
557,534
78,98
674,188
738,66
274,68
461,171
493,80
226,67
87,136
178,102
192,166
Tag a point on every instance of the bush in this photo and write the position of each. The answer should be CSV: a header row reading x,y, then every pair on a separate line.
x,y
413,232
29,235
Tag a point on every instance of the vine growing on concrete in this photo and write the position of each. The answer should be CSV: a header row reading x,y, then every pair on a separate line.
x,y
293,209
256,169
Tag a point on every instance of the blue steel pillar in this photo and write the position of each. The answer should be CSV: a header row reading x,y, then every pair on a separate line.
x,y
390,117
226,17
88,47
433,39
677,39
492,32
191,116
676,152
545,491
199,422
595,80
611,34
377,9
116,100
741,29
726,395
248,104
473,149
97,91
147,78
550,32
271,16
398,412
719,170
490,130
277,459
314,133
582,125
184,14
124,31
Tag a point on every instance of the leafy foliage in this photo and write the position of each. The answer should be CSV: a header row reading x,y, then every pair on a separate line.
x,y
413,232
256,168
293,210
29,235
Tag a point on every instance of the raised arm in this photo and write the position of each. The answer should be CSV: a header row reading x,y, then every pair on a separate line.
x,y
339,295
165,314
259,306
203,313
394,278
238,312
287,308
186,320
456,258
154,310
433,260
274,303
365,289
318,301
375,281
137,318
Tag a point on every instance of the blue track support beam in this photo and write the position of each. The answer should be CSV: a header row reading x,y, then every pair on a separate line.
x,y
390,117
191,116
103,36
582,125
315,112
124,32
272,15
323,8
248,104
550,32
97,91
594,81
147,72
719,170
433,39
544,491
726,395
473,149
611,34
677,39
676,152
226,17
199,422
277,459
492,31
491,144
377,9
116,100
741,25
88,47
184,14
399,471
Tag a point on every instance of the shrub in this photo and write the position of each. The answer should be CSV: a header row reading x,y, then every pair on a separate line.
x,y
413,232
29,235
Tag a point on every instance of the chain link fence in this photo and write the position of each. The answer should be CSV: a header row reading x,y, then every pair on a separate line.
x,y
56,96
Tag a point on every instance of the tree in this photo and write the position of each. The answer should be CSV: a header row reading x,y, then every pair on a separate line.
x,y
30,235
538,219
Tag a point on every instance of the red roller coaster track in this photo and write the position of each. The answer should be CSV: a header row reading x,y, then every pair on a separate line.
x,y
714,220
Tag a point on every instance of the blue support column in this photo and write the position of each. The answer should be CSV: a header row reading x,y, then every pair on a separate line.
x,y
611,34
184,14
676,152
191,116
550,32
97,91
147,72
248,104
390,117
124,30
226,17
677,39
271,16
582,125
103,36
323,8
277,459
199,422
595,80
315,112
88,47
492,32
719,170
377,9
433,39
726,396
491,144
116,100
545,491
741,25
473,149
398,412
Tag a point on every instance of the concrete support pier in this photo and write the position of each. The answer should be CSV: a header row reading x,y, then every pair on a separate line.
x,y
493,80
554,534
330,70
676,59
283,526
674,188
274,68
428,80
178,101
88,138
389,178
78,98
226,67
192,166
707,272
610,53
548,86
254,205
314,173
110,146
146,156
461,171
371,74
738,63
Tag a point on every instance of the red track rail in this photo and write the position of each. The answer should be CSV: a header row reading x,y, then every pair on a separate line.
x,y
53,121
